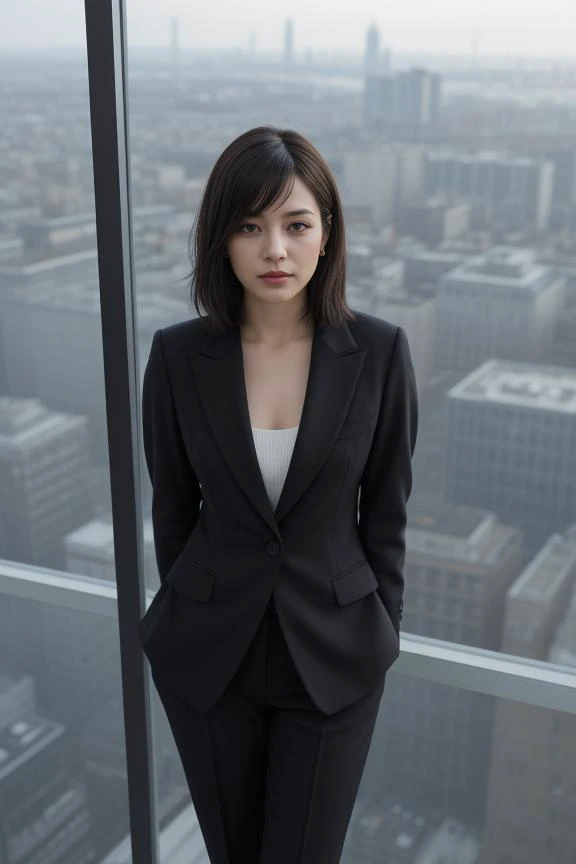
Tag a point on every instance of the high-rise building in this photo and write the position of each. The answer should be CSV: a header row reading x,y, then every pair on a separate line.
x,y
563,215
435,220
384,830
90,551
510,433
460,561
531,795
410,99
372,52
289,42
175,46
174,36
55,822
416,315
44,461
425,267
383,176
503,304
507,192
50,312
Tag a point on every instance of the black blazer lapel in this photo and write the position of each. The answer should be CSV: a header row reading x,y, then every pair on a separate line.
x,y
218,369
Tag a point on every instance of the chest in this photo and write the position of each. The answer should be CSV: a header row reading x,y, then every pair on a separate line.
x,y
276,382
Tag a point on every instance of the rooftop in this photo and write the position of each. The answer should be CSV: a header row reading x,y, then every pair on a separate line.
x,y
26,423
550,567
502,266
522,385
498,156
456,532
21,740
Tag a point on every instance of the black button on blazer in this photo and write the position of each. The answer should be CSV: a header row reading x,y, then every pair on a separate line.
x,y
333,550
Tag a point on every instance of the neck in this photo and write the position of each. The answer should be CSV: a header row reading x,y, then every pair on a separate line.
x,y
276,326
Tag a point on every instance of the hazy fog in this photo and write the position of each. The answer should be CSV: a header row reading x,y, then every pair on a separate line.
x,y
446,26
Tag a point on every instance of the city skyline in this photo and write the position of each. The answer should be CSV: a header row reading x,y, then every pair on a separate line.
x,y
451,29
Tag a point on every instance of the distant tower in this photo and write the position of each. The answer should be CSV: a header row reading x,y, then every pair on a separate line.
x,y
252,43
289,42
386,61
175,45
372,53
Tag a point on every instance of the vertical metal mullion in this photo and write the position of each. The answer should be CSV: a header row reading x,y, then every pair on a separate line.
x,y
107,77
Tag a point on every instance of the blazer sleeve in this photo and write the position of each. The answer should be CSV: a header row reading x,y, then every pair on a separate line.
x,y
176,492
386,482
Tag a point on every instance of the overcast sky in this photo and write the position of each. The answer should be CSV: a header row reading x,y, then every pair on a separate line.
x,y
506,27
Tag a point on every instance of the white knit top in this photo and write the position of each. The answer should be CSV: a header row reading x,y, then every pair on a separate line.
x,y
274,450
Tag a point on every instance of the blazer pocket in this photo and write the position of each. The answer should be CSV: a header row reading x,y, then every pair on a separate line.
x,y
354,583
357,427
193,579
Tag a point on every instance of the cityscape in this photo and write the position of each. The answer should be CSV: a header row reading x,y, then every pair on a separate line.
x,y
458,181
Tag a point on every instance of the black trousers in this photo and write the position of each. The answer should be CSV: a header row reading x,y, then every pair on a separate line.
x,y
272,778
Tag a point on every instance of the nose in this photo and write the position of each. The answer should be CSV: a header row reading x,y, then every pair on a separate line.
x,y
274,248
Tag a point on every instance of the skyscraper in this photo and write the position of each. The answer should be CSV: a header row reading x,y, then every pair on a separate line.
x,y
501,304
289,42
510,432
175,45
411,98
372,53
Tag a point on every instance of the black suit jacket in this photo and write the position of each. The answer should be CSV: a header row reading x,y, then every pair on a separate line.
x,y
335,564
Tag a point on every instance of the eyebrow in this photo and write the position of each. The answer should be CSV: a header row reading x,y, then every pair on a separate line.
x,y
289,213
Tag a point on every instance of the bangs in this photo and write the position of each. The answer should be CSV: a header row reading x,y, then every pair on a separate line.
x,y
256,191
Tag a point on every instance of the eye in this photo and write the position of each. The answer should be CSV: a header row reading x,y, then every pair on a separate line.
x,y
252,225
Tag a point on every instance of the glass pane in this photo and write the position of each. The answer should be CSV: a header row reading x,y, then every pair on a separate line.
x,y
463,778
63,786
62,757
468,251
458,181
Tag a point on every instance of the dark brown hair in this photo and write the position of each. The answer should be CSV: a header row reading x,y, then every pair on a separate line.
x,y
248,177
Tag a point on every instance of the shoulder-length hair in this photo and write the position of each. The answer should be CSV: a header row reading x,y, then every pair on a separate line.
x,y
248,178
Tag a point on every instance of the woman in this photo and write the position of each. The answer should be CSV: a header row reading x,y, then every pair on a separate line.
x,y
281,595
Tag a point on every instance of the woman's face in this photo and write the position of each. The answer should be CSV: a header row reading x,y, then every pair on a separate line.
x,y
279,240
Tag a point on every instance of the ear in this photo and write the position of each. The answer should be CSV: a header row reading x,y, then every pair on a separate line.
x,y
326,230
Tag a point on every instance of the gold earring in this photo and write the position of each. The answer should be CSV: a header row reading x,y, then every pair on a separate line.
x,y
322,252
